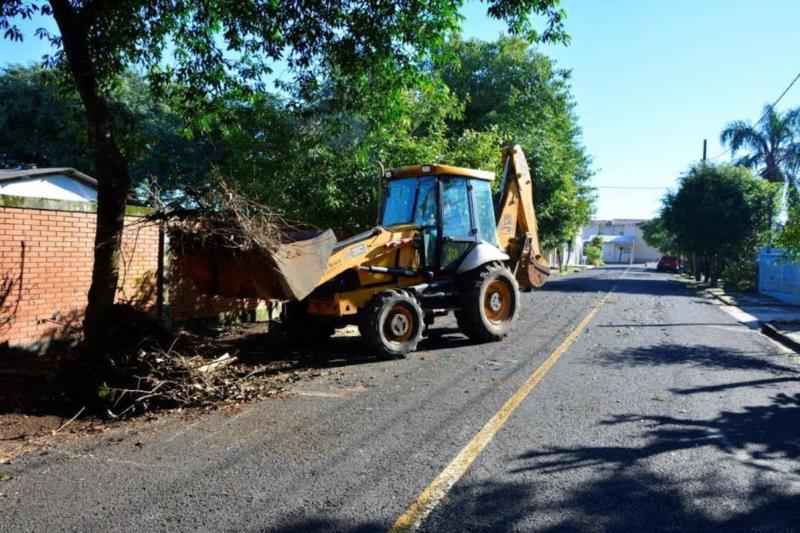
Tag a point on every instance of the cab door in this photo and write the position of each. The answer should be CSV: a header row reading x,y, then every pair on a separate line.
x,y
426,218
458,230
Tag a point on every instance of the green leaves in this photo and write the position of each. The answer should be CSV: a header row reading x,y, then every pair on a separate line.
x,y
789,237
46,126
772,144
208,49
659,237
508,86
366,82
719,211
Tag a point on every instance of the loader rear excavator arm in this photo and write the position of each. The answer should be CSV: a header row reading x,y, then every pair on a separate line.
x,y
517,230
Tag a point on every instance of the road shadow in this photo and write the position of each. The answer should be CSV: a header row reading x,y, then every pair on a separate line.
x,y
753,383
339,350
602,279
622,492
697,355
623,500
326,525
762,431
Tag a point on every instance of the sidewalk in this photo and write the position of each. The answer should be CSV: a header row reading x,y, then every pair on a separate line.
x,y
758,311
760,307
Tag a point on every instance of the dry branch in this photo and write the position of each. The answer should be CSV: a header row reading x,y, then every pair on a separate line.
x,y
221,218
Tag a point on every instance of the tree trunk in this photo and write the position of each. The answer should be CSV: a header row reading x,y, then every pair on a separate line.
x,y
110,169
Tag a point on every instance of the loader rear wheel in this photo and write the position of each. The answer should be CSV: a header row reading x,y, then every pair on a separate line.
x,y
489,303
392,324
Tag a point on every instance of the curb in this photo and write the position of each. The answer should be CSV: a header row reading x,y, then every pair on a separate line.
x,y
771,331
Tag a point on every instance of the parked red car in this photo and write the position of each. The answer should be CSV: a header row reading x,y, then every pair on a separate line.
x,y
667,263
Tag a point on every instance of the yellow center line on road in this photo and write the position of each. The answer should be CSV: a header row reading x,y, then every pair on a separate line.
x,y
427,501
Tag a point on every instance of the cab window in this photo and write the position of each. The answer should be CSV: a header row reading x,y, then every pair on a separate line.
x,y
455,208
399,201
425,211
425,219
484,211
456,222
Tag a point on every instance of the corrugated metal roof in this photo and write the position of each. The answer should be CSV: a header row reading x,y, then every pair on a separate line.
x,y
14,174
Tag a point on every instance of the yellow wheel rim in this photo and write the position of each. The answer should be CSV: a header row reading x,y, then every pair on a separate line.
x,y
497,301
399,324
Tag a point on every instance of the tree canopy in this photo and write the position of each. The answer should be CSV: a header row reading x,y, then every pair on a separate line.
x,y
772,144
46,126
509,86
719,213
316,162
657,236
789,237
202,53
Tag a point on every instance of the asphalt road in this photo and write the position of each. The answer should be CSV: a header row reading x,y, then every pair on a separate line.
x,y
665,414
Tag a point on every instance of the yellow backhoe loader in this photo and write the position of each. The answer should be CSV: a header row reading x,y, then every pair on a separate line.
x,y
439,246
442,244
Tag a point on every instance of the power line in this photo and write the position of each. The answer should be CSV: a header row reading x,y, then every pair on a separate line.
x,y
766,111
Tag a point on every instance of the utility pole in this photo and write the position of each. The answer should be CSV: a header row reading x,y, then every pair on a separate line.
x,y
705,149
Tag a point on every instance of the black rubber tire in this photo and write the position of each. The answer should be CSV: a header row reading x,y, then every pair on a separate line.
x,y
306,330
472,318
384,306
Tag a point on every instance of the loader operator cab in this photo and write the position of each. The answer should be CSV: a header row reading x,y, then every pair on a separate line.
x,y
451,207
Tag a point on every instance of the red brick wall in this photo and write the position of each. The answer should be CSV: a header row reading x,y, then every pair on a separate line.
x,y
46,267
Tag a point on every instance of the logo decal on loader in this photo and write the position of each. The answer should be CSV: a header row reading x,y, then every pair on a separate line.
x,y
507,224
358,250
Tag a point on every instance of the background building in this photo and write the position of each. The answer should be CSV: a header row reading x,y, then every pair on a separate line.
x,y
623,241
52,183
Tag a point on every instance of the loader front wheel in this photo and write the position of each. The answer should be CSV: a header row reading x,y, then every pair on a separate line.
x,y
306,330
392,324
489,303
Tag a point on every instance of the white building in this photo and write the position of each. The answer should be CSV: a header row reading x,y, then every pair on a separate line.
x,y
623,241
52,183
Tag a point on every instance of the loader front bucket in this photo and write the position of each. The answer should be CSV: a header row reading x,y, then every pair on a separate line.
x,y
290,272
300,265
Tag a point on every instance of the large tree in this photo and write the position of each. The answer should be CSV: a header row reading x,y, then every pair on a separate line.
x,y
46,126
203,51
718,214
510,86
772,145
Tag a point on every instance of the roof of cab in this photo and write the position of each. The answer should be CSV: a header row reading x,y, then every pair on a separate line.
x,y
437,170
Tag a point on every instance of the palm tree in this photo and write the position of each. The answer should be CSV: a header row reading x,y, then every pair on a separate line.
x,y
773,144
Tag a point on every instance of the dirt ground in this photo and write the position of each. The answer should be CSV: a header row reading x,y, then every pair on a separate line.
x,y
34,415
21,433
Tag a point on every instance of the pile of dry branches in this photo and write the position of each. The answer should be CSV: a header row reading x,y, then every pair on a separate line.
x,y
221,218
151,377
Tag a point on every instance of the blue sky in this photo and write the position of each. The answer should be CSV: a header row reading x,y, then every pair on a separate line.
x,y
651,79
